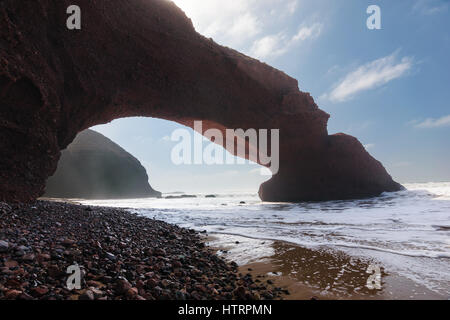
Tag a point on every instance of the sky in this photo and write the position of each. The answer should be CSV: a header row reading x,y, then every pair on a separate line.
x,y
389,87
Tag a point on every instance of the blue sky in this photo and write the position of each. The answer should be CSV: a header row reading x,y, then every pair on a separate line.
x,y
390,88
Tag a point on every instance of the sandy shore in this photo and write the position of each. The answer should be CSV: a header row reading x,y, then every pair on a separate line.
x,y
319,273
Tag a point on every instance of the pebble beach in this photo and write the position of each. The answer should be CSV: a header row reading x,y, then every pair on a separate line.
x,y
122,256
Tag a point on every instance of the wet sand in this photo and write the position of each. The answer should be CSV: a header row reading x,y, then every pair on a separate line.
x,y
321,273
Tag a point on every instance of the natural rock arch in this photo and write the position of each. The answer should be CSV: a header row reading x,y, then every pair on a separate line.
x,y
144,58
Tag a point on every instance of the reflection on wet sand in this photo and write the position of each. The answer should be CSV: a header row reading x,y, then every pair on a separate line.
x,y
327,274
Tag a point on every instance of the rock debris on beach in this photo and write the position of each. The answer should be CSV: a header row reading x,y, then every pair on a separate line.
x,y
121,255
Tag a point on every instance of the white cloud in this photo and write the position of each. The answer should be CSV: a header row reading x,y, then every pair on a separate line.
x,y
255,27
292,6
229,22
280,8
369,76
232,23
434,123
305,32
262,171
369,146
246,24
278,44
273,45
430,7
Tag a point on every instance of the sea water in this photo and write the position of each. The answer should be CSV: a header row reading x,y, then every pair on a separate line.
x,y
408,232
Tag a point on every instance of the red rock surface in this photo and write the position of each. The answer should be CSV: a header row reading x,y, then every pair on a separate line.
x,y
144,58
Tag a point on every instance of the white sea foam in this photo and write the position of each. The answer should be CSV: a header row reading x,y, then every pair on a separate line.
x,y
409,230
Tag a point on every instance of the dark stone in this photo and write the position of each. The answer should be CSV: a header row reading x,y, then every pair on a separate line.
x,y
87,295
122,286
4,246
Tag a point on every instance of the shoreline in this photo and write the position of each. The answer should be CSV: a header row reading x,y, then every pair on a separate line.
x,y
274,269
121,256
319,274
263,272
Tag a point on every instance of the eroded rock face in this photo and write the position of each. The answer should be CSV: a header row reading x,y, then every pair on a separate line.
x,y
144,58
341,169
94,167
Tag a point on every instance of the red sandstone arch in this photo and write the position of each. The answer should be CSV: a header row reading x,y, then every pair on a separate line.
x,y
144,58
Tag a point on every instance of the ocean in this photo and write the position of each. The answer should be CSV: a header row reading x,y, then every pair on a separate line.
x,y
406,232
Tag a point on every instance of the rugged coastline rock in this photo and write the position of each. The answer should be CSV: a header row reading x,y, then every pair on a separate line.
x,y
94,167
183,196
144,58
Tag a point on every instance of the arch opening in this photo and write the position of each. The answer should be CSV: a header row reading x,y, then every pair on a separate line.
x,y
84,170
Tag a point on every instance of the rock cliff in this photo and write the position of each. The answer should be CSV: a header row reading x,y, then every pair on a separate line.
x,y
94,167
144,58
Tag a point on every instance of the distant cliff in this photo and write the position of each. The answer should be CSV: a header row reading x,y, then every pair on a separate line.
x,y
94,167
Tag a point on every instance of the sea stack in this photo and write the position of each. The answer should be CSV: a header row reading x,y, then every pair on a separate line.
x,y
94,167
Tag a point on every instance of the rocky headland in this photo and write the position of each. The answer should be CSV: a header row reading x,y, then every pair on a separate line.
x,y
94,167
